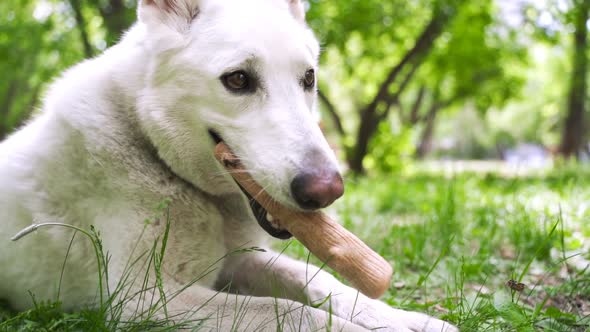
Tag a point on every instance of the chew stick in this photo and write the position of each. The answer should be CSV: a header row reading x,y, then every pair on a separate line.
x,y
329,241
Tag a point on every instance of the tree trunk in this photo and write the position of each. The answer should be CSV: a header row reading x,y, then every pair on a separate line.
x,y
425,145
414,116
367,128
81,23
370,118
572,138
8,99
116,19
33,101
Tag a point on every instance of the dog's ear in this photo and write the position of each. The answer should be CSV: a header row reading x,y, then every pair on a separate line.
x,y
177,14
297,10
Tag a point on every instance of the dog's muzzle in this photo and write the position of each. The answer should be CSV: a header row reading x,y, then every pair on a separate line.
x,y
264,219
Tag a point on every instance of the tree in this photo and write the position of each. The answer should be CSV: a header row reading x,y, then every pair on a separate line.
x,y
458,55
39,39
574,126
473,64
399,74
117,16
35,45
378,108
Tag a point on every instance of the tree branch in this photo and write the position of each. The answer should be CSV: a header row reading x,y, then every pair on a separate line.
x,y
426,138
369,120
413,117
394,98
6,105
333,113
115,18
81,23
423,44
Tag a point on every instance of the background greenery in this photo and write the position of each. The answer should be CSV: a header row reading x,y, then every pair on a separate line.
x,y
397,80
406,87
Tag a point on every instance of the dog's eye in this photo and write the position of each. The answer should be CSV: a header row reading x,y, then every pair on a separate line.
x,y
236,81
309,79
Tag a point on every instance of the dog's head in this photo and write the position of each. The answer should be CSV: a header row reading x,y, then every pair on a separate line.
x,y
243,72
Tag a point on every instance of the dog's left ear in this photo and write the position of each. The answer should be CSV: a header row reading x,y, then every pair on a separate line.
x,y
297,10
177,14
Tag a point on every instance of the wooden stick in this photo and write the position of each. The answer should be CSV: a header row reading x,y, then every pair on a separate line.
x,y
329,241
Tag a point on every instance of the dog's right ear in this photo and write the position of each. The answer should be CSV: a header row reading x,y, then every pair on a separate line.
x,y
296,9
177,14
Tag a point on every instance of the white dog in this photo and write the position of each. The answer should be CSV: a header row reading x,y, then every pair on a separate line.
x,y
120,133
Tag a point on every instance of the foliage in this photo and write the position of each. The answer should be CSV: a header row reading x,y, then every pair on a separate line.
x,y
536,114
33,49
475,59
41,38
479,58
366,34
391,151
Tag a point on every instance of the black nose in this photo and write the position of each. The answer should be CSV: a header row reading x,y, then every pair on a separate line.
x,y
318,189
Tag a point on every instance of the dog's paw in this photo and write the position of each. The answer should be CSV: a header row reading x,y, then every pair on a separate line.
x,y
347,303
378,316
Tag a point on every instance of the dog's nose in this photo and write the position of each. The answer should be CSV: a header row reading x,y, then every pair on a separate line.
x,y
314,190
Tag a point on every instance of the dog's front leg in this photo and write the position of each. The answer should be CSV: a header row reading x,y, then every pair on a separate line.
x,y
208,310
273,274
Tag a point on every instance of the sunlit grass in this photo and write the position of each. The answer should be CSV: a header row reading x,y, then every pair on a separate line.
x,y
454,242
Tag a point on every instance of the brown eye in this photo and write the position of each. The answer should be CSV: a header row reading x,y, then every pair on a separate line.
x,y
236,81
309,79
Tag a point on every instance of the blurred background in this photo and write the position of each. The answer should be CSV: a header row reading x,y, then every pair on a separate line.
x,y
401,80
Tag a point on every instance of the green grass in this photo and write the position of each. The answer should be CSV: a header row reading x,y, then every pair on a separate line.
x,y
453,241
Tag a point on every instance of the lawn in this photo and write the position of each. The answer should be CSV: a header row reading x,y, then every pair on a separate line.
x,y
484,250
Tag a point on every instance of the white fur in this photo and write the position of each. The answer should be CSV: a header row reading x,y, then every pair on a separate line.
x,y
121,132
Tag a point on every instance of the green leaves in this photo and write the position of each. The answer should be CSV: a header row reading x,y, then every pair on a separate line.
x,y
382,54
39,40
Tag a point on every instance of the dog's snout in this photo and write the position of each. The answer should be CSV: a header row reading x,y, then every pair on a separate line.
x,y
317,189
